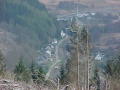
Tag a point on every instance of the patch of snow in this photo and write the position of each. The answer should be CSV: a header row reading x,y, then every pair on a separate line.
x,y
99,57
85,14
48,48
80,16
55,41
48,52
93,14
62,34
56,67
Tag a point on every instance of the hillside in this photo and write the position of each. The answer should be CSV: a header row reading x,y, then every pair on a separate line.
x,y
93,5
25,26
87,2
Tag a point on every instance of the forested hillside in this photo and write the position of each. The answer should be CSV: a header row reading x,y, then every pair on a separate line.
x,y
25,26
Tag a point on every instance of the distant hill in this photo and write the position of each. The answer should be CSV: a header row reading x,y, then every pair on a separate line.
x,y
65,5
97,2
98,5
25,26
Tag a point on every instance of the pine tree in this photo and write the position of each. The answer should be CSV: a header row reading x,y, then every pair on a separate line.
x,y
37,74
20,67
32,67
2,64
33,72
40,76
62,75
112,73
97,79
21,72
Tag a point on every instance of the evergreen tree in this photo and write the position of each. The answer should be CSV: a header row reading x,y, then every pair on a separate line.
x,y
37,74
112,73
33,72
32,67
41,76
26,76
21,72
20,67
62,75
97,79
2,64
112,68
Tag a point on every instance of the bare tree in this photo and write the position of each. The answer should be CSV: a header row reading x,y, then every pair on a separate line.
x,y
78,65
